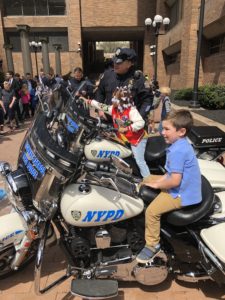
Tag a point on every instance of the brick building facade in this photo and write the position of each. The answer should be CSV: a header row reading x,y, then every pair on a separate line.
x,y
77,25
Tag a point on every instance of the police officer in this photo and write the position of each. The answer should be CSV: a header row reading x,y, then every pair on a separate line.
x,y
80,85
123,74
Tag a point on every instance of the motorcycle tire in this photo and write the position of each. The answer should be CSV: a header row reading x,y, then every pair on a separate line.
x,y
7,255
5,260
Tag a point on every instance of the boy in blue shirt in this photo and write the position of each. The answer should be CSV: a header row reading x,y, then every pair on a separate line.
x,y
181,185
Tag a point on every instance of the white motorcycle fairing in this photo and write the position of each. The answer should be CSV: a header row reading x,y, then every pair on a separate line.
x,y
214,172
213,238
13,229
103,149
98,206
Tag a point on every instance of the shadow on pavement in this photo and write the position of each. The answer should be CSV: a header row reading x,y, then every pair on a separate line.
x,y
208,287
54,261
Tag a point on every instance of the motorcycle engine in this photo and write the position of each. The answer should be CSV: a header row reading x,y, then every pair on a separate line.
x,y
81,240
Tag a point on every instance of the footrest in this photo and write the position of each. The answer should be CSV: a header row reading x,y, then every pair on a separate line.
x,y
94,288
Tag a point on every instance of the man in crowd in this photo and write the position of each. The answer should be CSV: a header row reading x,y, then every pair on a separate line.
x,y
80,85
15,87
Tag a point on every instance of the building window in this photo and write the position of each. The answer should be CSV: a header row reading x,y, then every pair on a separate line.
x,y
217,45
34,7
172,62
13,7
56,7
54,38
173,58
28,8
41,7
175,11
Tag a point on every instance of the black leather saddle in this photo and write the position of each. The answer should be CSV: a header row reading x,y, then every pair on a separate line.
x,y
186,215
155,148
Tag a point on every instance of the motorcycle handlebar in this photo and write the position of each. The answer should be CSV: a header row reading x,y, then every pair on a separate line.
x,y
108,127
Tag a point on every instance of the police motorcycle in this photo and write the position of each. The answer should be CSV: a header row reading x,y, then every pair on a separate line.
x,y
98,214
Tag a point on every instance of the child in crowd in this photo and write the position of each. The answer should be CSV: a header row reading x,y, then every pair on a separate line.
x,y
25,98
156,101
177,185
129,123
166,104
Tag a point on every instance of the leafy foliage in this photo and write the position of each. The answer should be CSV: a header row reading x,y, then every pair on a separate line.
x,y
209,96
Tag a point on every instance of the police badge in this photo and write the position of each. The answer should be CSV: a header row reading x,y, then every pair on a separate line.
x,y
76,214
118,51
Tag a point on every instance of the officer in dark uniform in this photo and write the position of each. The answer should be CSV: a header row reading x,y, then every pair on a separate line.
x,y
123,74
80,85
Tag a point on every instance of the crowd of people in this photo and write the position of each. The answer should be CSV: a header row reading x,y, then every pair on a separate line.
x,y
17,100
18,97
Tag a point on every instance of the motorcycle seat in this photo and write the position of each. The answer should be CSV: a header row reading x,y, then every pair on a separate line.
x,y
193,213
188,214
155,148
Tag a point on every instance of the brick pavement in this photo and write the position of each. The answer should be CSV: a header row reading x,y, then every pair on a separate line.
x,y
20,285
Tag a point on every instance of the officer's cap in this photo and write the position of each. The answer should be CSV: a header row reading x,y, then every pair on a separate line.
x,y
123,54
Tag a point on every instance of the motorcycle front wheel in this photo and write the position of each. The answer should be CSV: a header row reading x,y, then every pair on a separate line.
x,y
6,257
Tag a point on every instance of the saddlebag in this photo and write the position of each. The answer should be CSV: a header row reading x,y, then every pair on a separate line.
x,y
207,137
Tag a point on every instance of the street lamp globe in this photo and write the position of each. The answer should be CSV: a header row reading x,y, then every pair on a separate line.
x,y
156,24
148,22
166,21
158,19
33,43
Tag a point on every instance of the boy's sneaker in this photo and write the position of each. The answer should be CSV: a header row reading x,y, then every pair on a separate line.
x,y
147,254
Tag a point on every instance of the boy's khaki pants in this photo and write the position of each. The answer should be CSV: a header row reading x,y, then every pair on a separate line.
x,y
163,203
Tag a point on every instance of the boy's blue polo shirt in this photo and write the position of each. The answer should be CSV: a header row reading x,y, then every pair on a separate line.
x,y
182,159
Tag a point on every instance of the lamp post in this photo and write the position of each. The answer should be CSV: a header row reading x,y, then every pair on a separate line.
x,y
157,22
194,103
35,46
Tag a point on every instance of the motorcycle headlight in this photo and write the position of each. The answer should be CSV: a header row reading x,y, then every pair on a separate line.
x,y
16,186
5,193
10,196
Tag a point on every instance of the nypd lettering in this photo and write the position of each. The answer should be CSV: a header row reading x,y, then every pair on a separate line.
x,y
103,215
211,140
107,153
32,163
12,235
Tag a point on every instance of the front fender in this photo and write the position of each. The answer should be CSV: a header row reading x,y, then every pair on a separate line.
x,y
214,172
13,229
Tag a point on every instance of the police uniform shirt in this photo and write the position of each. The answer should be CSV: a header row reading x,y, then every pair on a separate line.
x,y
85,85
111,80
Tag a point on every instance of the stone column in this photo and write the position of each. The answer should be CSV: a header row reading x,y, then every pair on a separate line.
x,y
57,59
45,56
25,47
9,58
